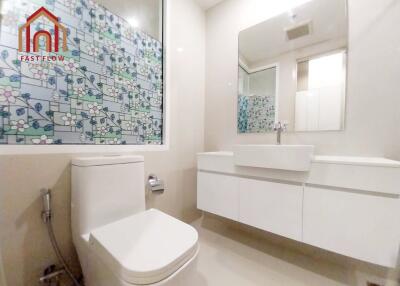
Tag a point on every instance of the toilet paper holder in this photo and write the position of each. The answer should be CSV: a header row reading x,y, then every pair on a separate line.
x,y
154,184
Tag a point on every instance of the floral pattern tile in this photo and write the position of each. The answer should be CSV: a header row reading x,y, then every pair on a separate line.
x,y
256,114
108,89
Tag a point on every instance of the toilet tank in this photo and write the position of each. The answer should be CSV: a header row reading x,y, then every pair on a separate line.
x,y
105,189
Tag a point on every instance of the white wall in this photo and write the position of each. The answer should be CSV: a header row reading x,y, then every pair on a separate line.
x,y
24,243
372,121
2,275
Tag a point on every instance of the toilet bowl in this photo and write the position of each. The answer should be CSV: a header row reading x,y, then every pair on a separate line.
x,y
118,242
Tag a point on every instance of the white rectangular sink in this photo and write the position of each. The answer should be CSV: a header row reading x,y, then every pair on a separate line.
x,y
282,157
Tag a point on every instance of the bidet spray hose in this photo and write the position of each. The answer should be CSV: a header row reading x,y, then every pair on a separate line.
x,y
46,216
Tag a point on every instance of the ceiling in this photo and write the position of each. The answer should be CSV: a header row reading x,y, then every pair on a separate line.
x,y
206,4
268,39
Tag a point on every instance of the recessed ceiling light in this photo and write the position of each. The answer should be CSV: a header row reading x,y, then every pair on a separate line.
x,y
133,22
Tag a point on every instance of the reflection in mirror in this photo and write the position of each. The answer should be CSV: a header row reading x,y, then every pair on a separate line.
x,y
257,100
320,92
292,68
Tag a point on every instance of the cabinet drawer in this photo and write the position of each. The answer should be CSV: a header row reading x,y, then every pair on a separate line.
x,y
360,225
274,207
218,194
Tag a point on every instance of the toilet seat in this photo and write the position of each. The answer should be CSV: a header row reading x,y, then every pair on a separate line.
x,y
144,248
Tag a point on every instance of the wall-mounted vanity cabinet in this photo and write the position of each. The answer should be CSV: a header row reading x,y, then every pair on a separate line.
x,y
225,202
360,225
271,206
350,206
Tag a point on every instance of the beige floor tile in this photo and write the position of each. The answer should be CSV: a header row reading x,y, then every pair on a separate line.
x,y
230,256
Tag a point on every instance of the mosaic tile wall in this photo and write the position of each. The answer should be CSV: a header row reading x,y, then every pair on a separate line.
x,y
256,114
108,89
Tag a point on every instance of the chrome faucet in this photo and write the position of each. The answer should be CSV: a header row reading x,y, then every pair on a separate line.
x,y
279,127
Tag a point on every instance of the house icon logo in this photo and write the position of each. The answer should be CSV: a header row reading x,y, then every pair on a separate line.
x,y
52,44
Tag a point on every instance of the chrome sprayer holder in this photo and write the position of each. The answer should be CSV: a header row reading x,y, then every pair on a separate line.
x,y
46,198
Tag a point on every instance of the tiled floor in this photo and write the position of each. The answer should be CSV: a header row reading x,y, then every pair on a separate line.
x,y
231,256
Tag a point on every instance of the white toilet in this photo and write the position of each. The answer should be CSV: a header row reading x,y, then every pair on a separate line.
x,y
118,242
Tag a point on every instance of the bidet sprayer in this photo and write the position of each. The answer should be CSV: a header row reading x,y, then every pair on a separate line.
x,y
46,216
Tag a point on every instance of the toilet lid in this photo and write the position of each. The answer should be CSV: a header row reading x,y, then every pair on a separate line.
x,y
145,248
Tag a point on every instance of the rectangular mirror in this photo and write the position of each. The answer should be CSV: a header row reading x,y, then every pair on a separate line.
x,y
292,68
